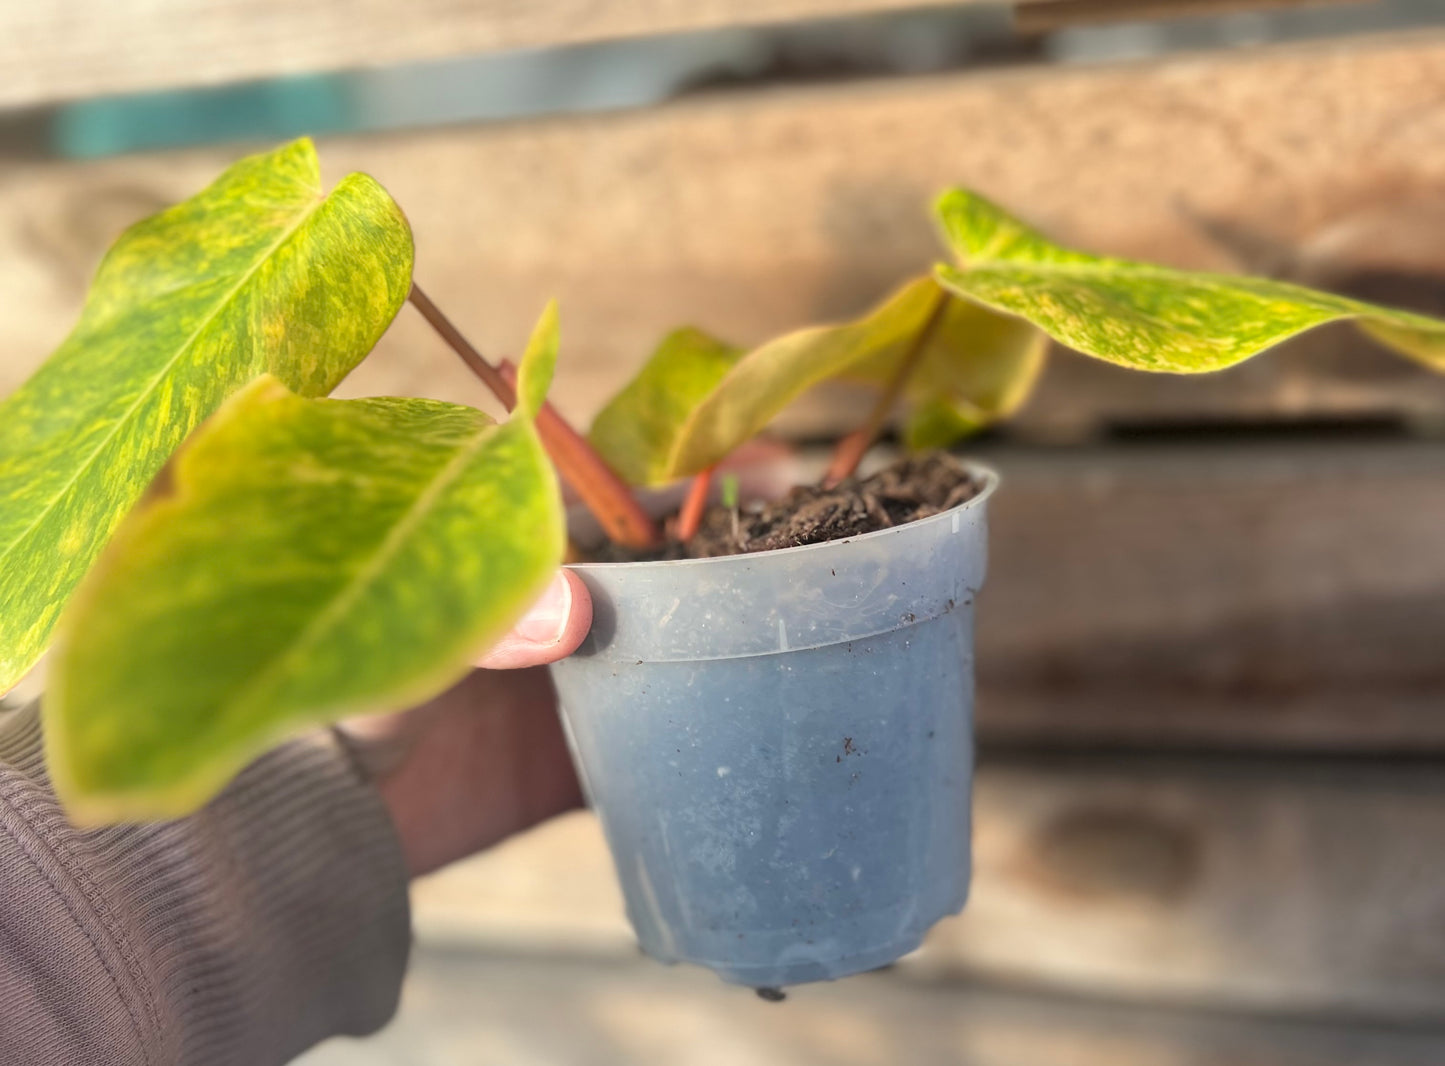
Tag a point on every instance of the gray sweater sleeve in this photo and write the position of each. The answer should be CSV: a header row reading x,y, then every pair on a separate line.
x,y
272,919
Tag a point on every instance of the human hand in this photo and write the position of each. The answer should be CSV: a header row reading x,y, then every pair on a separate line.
x,y
486,758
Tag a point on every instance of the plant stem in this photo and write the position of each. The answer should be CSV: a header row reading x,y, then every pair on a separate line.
x,y
476,362
690,517
604,493
851,449
577,462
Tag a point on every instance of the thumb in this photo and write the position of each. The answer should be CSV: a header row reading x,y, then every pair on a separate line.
x,y
550,630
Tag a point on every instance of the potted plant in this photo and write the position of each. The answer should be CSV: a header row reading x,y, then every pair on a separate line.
x,y
778,741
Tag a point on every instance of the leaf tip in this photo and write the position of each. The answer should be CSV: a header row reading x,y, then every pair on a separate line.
x,y
948,198
300,154
958,213
302,148
534,374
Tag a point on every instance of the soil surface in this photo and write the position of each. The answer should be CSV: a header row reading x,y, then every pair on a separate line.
x,y
914,487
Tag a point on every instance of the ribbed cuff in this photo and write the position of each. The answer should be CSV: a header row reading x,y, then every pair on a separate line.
x,y
314,909
272,919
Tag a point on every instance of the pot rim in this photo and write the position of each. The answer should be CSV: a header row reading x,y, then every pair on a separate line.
x,y
987,474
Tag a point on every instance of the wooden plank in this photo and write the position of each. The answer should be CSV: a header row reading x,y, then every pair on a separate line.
x,y
1248,595
1255,596
467,1008
1300,885
751,214
1263,883
1260,595
1264,597
1044,15
65,49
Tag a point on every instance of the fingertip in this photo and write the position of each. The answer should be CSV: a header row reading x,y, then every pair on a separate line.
x,y
540,638
579,617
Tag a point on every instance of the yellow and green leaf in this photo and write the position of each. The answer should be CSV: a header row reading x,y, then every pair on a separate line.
x,y
697,398
639,429
299,560
261,272
765,380
976,368
1142,316
539,362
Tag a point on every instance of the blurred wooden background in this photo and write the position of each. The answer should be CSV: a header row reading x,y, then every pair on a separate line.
x,y
1211,823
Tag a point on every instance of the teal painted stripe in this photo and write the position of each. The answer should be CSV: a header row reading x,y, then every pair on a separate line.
x,y
616,75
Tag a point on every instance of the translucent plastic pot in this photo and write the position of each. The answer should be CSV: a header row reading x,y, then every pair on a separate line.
x,y
780,746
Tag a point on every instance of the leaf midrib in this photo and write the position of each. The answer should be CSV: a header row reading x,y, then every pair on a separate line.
x,y
348,594
160,376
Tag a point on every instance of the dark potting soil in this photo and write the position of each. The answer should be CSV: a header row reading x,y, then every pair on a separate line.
x,y
912,488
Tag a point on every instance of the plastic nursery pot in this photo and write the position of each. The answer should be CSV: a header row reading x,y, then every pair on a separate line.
x,y
780,745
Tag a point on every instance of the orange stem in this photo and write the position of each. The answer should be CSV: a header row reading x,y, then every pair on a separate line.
x,y
851,449
848,454
475,360
604,493
690,517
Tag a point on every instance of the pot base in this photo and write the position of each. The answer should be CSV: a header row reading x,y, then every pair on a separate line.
x,y
784,975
